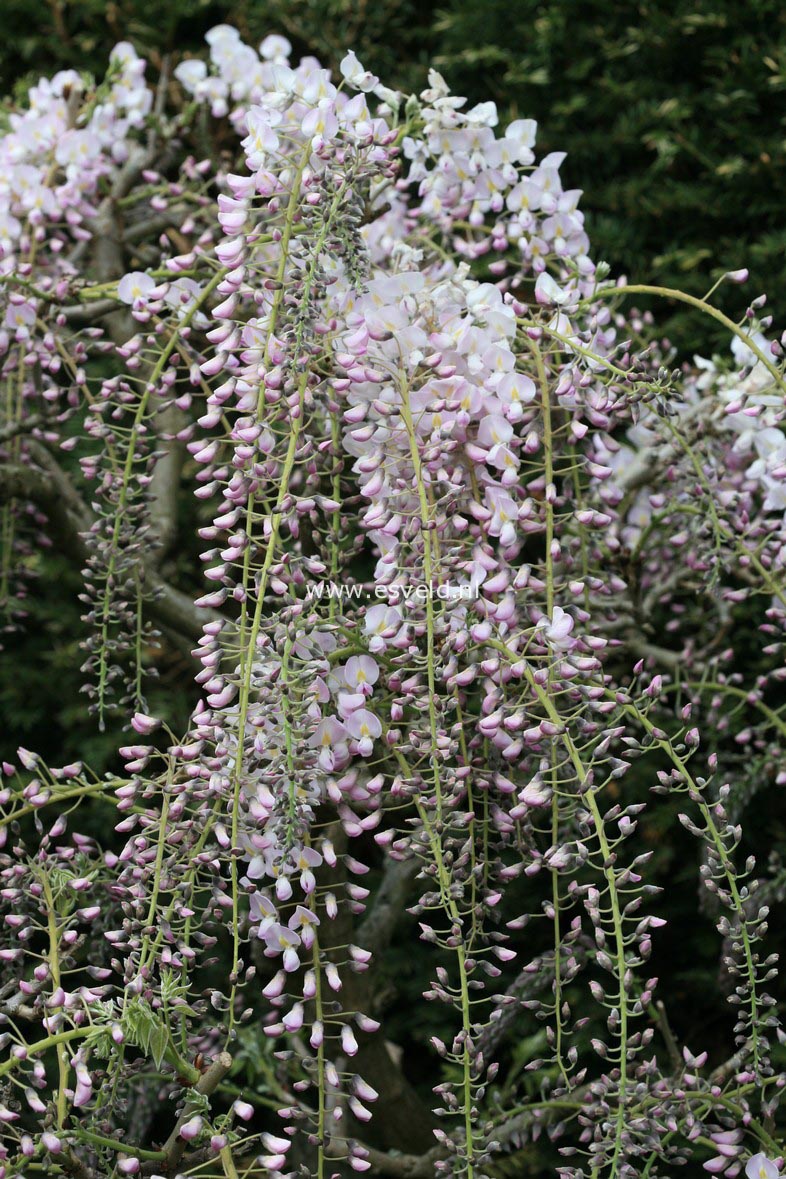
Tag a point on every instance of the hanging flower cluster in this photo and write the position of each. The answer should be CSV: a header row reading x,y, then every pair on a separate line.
x,y
471,553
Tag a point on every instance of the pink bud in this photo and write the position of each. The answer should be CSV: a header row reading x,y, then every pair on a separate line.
x,y
143,724
190,1129
275,1144
364,1090
348,1041
276,985
366,1023
88,914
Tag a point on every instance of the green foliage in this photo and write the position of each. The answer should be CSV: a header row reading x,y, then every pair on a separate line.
x,y
394,38
144,1029
42,36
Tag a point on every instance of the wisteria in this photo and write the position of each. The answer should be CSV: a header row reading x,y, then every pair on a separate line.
x,y
472,541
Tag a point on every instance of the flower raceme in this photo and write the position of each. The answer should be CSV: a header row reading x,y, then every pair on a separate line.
x,y
373,326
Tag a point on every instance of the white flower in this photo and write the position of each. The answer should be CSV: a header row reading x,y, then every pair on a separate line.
x,y
760,1167
353,71
483,115
438,87
522,132
548,293
558,630
190,73
135,287
744,355
275,48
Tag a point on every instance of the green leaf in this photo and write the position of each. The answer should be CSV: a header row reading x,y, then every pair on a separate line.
x,y
159,1041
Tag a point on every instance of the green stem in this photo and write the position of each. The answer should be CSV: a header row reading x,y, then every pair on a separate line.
x,y
435,837
616,915
53,1041
120,1147
728,869
548,471
706,308
54,970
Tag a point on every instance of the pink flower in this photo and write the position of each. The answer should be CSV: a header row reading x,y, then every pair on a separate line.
x,y
261,907
293,1020
275,1144
143,724
304,920
305,861
535,793
20,317
84,1086
190,1129
348,1042
380,624
505,516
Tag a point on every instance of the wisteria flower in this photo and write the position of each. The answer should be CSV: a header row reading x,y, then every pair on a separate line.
x,y
760,1167
134,288
558,629
353,71
330,737
378,341
279,939
365,728
380,624
305,861
307,922
361,673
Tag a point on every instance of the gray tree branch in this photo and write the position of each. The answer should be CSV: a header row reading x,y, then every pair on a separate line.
x,y
49,487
